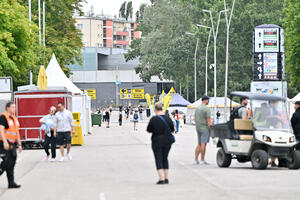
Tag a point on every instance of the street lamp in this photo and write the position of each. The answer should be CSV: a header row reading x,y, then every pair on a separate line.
x,y
195,63
215,34
227,57
206,54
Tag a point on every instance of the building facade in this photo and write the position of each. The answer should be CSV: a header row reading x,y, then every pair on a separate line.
x,y
101,31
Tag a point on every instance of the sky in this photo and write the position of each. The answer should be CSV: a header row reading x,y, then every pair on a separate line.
x,y
110,7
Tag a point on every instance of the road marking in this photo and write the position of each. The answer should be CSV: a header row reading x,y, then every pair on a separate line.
x,y
102,196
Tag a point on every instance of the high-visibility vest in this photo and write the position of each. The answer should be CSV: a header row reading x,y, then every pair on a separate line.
x,y
11,134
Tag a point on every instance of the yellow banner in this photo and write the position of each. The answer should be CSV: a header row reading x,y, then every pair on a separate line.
x,y
137,96
137,91
123,91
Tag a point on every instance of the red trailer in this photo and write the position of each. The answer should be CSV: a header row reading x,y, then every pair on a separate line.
x,y
31,106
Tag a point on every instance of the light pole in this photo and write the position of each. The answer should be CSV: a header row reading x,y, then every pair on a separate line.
x,y
195,63
215,34
206,55
227,57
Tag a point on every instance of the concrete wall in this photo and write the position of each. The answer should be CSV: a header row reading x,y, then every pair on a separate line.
x,y
106,92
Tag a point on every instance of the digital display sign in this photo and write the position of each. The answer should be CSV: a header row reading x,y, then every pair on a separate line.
x,y
270,66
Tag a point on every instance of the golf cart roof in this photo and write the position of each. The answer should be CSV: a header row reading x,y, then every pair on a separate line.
x,y
258,96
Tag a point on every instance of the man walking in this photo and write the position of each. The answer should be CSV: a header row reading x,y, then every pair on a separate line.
x,y
203,122
9,141
64,127
295,121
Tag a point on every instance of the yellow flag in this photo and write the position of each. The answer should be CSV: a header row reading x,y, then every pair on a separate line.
x,y
42,79
167,102
148,99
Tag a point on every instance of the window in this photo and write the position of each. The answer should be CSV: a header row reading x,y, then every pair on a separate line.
x,y
80,26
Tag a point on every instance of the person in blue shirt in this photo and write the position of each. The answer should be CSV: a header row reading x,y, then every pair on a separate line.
x,y
50,134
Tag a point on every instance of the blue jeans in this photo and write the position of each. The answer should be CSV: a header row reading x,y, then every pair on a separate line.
x,y
177,126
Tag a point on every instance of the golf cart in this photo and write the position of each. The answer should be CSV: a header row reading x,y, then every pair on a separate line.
x,y
267,134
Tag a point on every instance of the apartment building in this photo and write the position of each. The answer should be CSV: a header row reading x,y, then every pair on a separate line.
x,y
102,31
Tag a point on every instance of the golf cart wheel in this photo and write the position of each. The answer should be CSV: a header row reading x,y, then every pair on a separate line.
x,y
223,159
295,162
259,159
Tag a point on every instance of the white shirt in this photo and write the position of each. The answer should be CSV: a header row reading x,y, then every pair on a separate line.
x,y
50,122
64,121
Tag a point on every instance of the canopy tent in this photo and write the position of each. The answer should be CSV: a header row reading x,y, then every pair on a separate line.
x,y
296,98
81,102
220,107
219,103
178,101
56,77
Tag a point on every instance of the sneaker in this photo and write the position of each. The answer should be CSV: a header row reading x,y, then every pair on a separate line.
x,y
166,181
52,160
160,182
69,157
204,163
197,162
46,158
62,159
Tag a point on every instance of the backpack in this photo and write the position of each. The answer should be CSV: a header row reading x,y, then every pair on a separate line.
x,y
135,116
235,113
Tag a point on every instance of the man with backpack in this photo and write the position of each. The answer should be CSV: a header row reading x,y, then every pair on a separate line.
x,y
135,120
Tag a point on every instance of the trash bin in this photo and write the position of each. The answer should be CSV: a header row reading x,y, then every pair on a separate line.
x,y
148,111
96,119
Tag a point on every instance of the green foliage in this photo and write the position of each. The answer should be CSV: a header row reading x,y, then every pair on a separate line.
x,y
18,42
292,40
166,51
126,10
62,37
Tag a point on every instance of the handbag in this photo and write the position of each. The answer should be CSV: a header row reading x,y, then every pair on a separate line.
x,y
169,129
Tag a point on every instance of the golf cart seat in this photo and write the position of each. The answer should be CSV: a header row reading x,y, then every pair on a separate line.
x,y
244,129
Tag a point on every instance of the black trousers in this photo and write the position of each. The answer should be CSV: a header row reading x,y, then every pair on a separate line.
x,y
161,153
298,138
50,141
8,163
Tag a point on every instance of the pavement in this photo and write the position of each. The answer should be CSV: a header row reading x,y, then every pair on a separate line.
x,y
117,164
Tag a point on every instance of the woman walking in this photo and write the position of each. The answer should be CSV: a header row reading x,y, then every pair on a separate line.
x,y
177,121
107,117
50,134
135,119
161,127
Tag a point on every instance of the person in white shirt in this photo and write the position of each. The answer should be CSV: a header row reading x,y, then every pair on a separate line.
x,y
64,125
50,134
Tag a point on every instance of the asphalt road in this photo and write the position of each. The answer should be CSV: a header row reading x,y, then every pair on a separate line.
x,y
118,164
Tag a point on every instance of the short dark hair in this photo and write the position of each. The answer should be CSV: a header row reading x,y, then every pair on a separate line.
x,y
61,103
242,99
204,98
158,107
8,104
297,102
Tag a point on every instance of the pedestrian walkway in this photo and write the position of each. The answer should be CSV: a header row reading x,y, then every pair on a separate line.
x,y
117,164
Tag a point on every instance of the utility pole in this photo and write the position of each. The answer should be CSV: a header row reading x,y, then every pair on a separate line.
x,y
215,34
39,5
195,68
206,62
228,21
29,18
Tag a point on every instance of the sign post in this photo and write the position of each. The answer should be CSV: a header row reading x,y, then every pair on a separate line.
x,y
268,57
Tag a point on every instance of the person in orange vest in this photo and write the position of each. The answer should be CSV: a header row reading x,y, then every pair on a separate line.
x,y
9,142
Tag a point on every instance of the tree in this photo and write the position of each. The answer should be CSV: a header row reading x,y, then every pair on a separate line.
x,y
126,10
164,42
122,10
18,43
292,40
62,37
129,10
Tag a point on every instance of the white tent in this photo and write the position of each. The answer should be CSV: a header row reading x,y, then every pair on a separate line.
x,y
56,77
81,102
296,98
220,107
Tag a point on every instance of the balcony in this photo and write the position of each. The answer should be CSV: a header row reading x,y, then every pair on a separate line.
x,y
122,33
121,42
